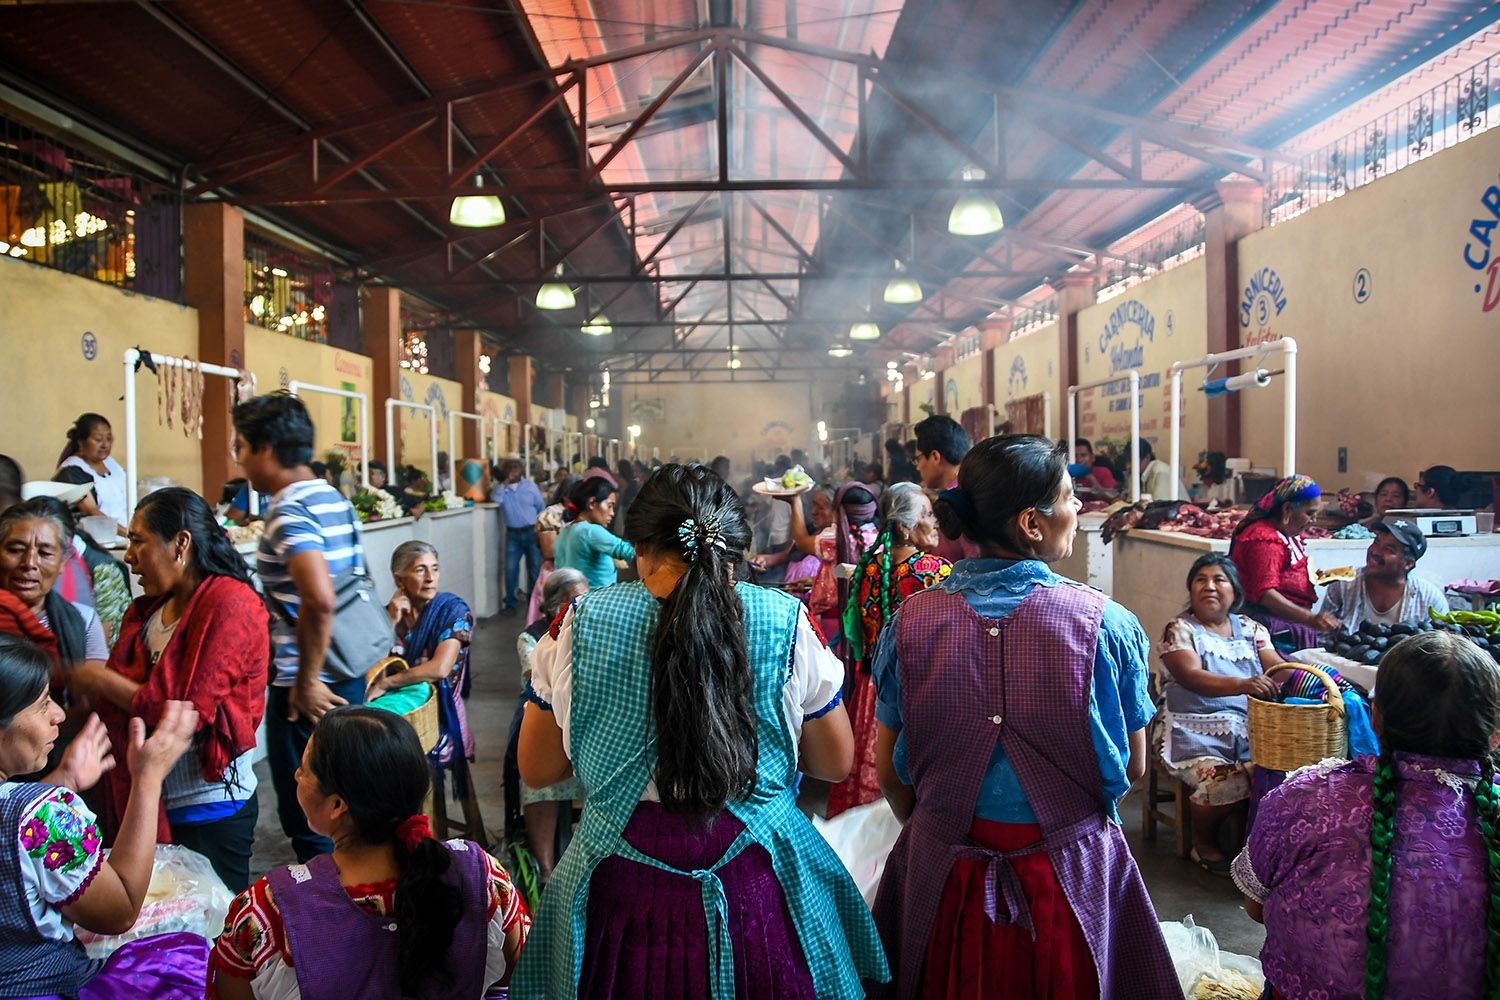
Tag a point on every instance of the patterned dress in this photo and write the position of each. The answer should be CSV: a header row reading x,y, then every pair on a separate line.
x,y
255,946
1308,863
909,576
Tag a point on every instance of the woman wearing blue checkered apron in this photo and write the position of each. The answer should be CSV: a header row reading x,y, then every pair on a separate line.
x,y
685,704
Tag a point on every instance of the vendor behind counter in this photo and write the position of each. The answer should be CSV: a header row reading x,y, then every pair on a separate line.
x,y
1268,550
1385,591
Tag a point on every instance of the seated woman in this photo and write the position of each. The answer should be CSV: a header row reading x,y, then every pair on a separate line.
x,y
108,579
34,543
549,524
1391,494
542,807
433,631
90,441
1378,877
1215,658
586,543
1267,549
54,872
200,634
898,565
324,929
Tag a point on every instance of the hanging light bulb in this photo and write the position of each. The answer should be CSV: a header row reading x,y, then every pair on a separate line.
x,y
477,211
598,326
555,294
589,423
840,351
975,214
864,330
902,290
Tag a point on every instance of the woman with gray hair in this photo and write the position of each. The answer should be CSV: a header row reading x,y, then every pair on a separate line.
x,y
542,807
35,541
433,631
899,564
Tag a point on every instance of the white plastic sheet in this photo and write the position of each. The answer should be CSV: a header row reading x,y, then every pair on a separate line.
x,y
862,838
185,895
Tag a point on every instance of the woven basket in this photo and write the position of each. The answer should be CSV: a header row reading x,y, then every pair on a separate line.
x,y
423,718
1286,737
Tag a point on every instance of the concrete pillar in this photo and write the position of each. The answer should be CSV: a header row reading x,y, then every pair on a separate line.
x,y
993,334
1075,293
1234,209
556,391
467,346
578,405
213,254
380,340
520,386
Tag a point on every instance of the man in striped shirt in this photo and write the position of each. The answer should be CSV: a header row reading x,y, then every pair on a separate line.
x,y
312,534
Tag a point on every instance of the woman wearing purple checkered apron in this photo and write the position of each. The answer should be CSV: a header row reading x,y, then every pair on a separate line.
x,y
1011,715
685,704
53,873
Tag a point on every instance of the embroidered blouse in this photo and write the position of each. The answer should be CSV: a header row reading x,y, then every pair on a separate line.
x,y
60,853
254,943
1270,560
916,573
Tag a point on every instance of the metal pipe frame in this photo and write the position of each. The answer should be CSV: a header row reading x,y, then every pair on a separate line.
x,y
1134,378
295,387
390,436
1288,348
163,361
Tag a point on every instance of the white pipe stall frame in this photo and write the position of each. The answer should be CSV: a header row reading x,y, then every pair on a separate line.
x,y
1286,346
453,418
392,473
132,355
295,387
526,449
1134,378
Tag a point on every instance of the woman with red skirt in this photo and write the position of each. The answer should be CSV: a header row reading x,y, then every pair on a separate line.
x,y
1011,717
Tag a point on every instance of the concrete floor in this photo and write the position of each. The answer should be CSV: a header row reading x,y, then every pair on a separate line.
x,y
1177,887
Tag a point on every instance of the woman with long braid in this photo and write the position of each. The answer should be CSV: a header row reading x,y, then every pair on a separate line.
x,y
899,564
1381,877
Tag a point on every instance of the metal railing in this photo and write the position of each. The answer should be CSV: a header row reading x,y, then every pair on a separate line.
x,y
285,291
1178,245
1034,318
1457,109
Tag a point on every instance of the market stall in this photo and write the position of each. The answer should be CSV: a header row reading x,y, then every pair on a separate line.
x,y
1091,562
1151,566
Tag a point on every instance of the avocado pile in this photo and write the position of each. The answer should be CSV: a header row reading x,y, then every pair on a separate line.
x,y
1369,643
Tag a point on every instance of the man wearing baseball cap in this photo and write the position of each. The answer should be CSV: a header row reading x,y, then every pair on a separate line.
x,y
1385,590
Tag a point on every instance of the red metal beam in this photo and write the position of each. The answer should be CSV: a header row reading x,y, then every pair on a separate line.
x,y
357,164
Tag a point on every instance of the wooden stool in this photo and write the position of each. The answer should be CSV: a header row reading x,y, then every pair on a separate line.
x,y
1180,817
472,827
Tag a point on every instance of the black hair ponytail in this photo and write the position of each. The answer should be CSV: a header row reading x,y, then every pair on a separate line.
x,y
373,760
705,724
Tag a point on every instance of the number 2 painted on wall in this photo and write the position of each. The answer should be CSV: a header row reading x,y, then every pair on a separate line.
x,y
1362,286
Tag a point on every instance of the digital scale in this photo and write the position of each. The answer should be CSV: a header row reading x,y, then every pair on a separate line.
x,y
1437,523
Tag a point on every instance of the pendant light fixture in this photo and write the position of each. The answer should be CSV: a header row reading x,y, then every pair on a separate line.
x,y
975,214
477,211
864,330
837,350
902,290
597,326
555,294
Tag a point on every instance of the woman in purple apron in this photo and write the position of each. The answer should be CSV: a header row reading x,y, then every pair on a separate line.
x,y
53,873
391,913
1012,709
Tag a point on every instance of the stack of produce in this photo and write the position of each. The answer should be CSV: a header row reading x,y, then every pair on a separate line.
x,y
1371,641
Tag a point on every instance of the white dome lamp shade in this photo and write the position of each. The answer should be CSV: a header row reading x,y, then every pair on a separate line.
x,y
864,330
975,214
840,351
902,290
555,294
597,326
477,211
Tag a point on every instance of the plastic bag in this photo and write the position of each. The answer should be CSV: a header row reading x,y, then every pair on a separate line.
x,y
862,838
1203,971
185,895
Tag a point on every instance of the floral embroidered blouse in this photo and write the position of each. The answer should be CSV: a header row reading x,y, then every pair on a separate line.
x,y
916,573
60,853
254,944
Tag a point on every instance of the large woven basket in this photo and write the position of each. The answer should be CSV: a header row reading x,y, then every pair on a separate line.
x,y
423,718
1286,737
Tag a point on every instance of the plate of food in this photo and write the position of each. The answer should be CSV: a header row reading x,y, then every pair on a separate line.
x,y
1323,577
791,483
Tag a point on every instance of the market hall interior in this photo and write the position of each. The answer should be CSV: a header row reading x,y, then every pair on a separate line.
x,y
465,281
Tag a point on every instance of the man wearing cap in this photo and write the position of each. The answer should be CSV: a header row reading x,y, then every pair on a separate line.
x,y
1385,591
